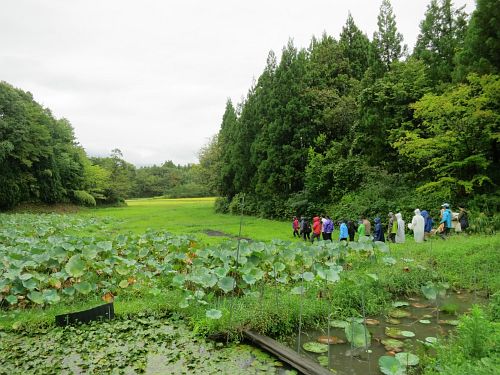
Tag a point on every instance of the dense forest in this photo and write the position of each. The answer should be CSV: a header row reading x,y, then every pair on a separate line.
x,y
348,126
353,125
41,161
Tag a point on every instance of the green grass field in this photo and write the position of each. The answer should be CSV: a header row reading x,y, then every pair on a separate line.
x,y
192,216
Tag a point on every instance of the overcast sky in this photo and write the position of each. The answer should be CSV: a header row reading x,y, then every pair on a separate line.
x,y
152,77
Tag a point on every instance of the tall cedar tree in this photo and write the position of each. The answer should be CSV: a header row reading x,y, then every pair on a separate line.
x,y
388,41
441,37
481,51
356,48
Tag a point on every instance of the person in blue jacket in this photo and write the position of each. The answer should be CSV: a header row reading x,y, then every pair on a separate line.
x,y
343,231
378,234
427,224
446,219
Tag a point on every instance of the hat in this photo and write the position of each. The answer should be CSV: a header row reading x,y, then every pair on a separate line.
x,y
445,205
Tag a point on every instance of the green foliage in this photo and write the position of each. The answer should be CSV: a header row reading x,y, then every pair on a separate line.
x,y
83,198
473,349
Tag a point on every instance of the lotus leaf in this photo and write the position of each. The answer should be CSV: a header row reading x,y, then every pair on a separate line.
x,y
36,297
69,291
392,343
283,279
424,321
75,266
394,332
407,334
279,267
323,360
83,287
431,340
51,297
329,275
30,284
249,279
227,284
184,303
391,366
11,299
358,335
213,314
315,347
407,359
390,261
25,276
449,322
221,272
123,284
339,324
334,340
400,303
399,313
105,245
308,276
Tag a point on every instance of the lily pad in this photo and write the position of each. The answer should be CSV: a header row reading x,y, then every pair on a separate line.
x,y
419,305
431,340
400,303
424,321
213,314
393,321
407,333
394,332
358,335
372,322
75,266
392,343
323,360
399,313
391,366
315,347
407,359
338,323
333,340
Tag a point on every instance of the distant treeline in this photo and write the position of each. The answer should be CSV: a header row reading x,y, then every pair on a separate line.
x,y
41,161
354,125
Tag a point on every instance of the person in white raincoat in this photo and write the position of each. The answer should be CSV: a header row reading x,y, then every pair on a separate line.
x,y
400,234
417,226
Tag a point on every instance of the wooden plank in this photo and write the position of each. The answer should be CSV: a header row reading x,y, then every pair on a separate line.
x,y
299,362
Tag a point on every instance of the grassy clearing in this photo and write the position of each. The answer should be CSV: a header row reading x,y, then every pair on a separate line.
x,y
188,216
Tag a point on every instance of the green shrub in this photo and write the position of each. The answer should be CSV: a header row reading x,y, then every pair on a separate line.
x,y
221,205
82,198
191,190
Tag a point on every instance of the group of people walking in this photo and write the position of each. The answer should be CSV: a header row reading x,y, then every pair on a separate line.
x,y
421,225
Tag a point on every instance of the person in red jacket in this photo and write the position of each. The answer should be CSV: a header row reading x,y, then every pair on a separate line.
x,y
295,226
316,229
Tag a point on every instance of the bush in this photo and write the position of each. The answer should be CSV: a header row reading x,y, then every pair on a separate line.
x,y
190,190
82,198
221,205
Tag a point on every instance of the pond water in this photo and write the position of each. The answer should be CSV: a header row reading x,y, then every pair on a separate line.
x,y
424,320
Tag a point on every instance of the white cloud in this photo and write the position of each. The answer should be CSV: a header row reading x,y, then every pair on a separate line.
x,y
152,77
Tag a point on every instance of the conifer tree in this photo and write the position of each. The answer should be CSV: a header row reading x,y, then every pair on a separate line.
x,y
388,41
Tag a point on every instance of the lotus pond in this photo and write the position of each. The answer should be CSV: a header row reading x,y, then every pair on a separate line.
x,y
53,264
408,329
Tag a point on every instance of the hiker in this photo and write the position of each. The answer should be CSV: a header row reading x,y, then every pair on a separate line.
x,y
378,233
463,218
295,226
445,221
392,227
400,233
316,229
417,226
343,231
305,228
427,224
351,229
361,230
368,226
327,229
